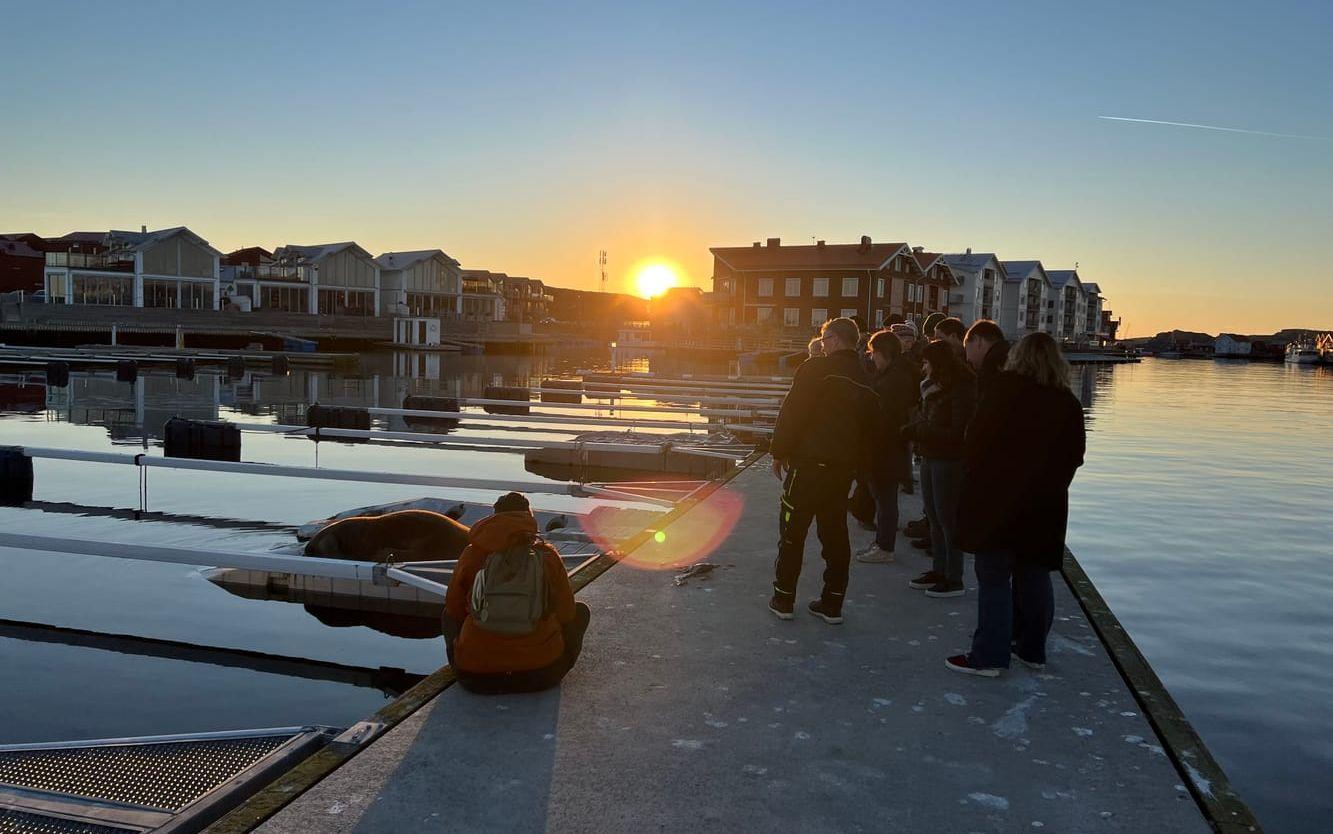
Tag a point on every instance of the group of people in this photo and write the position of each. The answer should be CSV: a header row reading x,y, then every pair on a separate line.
x,y
998,435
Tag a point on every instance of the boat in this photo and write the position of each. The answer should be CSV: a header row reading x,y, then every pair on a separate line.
x,y
1303,353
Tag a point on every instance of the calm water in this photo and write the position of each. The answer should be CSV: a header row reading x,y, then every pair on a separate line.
x,y
1205,516
1204,513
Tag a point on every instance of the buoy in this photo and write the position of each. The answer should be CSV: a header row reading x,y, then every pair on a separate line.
x,y
502,392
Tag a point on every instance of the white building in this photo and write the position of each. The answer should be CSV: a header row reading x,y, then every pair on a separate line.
x,y
426,283
169,268
1092,320
1229,344
340,278
978,284
483,295
1068,303
1023,300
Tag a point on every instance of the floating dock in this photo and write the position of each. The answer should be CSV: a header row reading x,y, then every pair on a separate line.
x,y
693,708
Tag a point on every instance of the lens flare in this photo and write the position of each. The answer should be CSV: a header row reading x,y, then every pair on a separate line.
x,y
684,541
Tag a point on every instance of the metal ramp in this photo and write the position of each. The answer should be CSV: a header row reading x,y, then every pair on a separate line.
x,y
177,783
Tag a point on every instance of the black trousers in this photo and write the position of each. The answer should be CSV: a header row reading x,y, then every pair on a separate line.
x,y
526,680
814,492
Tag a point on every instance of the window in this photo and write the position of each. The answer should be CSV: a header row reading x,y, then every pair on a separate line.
x,y
818,316
851,287
791,316
793,288
821,288
762,314
879,316
157,293
847,312
765,287
196,295
879,288
96,289
57,287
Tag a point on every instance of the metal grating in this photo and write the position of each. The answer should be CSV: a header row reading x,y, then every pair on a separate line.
x,y
17,822
166,776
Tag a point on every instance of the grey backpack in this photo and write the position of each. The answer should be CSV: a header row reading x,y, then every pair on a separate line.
x,y
509,592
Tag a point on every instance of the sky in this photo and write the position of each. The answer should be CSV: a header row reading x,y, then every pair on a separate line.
x,y
526,138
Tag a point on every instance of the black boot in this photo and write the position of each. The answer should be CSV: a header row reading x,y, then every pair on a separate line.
x,y
782,604
827,608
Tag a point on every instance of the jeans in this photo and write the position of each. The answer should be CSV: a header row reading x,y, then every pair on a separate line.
x,y
818,493
941,484
885,493
998,632
527,680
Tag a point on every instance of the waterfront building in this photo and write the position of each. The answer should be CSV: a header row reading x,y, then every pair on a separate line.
x,y
598,314
978,291
252,279
1068,304
680,313
796,288
22,258
1092,300
168,268
1023,300
421,284
1230,344
340,278
483,298
525,299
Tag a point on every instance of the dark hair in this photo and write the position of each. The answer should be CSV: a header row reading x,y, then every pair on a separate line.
x,y
932,321
946,368
887,343
950,327
985,329
512,502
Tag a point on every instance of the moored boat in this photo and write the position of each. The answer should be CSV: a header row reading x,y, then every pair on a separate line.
x,y
1303,353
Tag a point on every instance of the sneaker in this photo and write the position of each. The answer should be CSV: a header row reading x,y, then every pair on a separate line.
x,y
874,555
1037,667
783,606
921,544
825,611
925,581
961,663
946,589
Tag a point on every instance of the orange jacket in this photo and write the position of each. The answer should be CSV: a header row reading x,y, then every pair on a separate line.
x,y
484,652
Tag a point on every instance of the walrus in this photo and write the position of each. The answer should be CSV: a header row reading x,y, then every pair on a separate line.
x,y
404,536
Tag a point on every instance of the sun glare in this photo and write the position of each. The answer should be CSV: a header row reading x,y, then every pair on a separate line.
x,y
655,278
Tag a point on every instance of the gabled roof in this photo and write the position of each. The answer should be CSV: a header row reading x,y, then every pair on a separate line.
x,y
318,251
138,241
403,260
1233,337
18,249
83,237
828,256
1060,277
973,260
1018,270
926,260
1092,289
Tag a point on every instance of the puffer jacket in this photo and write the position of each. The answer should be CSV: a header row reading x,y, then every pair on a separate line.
x,y
485,652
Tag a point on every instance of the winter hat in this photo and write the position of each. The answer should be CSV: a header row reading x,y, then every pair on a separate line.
x,y
512,502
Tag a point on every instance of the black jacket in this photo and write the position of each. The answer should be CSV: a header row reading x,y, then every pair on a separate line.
x,y
828,415
898,390
945,415
1020,456
991,366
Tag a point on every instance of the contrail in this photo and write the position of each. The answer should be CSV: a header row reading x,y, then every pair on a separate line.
x,y
1214,127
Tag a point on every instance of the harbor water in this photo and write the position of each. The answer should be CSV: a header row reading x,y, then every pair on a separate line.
x,y
1202,513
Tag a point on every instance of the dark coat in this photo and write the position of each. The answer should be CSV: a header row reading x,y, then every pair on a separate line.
x,y
945,413
1020,456
991,366
828,414
898,389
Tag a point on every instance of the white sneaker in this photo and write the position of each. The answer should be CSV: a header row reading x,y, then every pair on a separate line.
x,y
873,554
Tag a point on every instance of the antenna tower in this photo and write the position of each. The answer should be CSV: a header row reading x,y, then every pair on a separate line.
x,y
601,264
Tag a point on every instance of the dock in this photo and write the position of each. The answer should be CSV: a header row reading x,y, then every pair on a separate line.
x,y
694,709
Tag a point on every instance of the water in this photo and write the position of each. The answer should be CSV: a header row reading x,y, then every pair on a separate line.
x,y
1204,514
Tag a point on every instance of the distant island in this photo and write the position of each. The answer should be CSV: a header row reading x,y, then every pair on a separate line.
x,y
1259,346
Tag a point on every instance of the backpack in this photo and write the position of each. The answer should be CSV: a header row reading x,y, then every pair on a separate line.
x,y
509,592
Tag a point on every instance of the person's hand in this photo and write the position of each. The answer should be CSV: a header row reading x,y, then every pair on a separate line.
x,y
778,467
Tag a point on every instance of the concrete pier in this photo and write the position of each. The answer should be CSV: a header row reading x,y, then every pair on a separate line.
x,y
694,709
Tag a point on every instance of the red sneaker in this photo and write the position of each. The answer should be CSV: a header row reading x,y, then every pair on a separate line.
x,y
961,663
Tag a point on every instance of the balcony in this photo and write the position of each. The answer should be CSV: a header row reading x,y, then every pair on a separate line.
x,y
105,261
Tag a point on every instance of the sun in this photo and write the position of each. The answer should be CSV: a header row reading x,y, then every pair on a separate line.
x,y
654,278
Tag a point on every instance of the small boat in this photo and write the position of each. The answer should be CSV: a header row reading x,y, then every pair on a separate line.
x,y
1303,353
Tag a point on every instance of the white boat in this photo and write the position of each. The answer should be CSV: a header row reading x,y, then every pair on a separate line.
x,y
1303,353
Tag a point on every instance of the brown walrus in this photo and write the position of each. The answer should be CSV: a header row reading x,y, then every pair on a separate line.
x,y
404,536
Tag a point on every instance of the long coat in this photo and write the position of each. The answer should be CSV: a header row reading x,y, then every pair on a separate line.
x,y
1019,456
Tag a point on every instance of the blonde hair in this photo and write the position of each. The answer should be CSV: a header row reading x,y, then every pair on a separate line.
x,y
815,348
1038,356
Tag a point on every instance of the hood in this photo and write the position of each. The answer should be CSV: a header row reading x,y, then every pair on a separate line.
x,y
497,531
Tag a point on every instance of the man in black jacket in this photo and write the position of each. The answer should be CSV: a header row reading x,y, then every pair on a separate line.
x,y
821,439
987,351
897,385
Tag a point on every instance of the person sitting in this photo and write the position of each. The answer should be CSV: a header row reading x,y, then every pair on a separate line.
x,y
1020,455
510,620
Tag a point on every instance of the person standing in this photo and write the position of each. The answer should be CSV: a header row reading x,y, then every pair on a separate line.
x,y
819,443
952,332
1020,456
987,350
896,384
948,406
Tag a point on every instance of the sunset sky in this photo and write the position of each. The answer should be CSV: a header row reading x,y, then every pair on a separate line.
x,y
525,138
